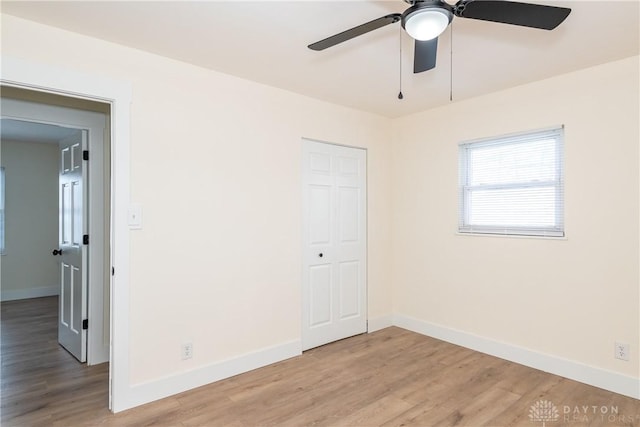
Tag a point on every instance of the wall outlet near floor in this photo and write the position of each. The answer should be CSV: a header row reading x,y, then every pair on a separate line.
x,y
621,351
187,351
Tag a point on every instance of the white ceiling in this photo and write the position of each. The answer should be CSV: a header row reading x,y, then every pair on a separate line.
x,y
266,42
22,131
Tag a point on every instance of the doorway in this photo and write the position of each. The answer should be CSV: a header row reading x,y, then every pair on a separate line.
x,y
334,283
42,113
78,86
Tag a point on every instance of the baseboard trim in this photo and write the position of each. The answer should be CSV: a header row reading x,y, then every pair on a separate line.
x,y
16,294
140,394
608,380
380,322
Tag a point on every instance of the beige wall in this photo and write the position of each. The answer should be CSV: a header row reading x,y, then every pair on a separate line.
x,y
215,163
570,298
31,218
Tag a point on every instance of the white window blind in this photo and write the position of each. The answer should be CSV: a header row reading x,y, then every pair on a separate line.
x,y
513,185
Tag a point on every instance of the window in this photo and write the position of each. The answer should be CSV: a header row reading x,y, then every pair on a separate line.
x,y
1,210
513,185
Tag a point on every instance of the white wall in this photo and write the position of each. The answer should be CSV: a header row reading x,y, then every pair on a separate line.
x,y
566,298
215,163
28,270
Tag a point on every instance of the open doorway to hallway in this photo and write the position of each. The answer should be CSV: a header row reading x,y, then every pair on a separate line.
x,y
34,282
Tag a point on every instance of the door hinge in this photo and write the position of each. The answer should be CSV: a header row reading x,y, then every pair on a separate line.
x,y
85,324
85,155
113,271
85,239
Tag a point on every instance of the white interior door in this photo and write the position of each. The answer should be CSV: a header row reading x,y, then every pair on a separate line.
x,y
72,250
335,243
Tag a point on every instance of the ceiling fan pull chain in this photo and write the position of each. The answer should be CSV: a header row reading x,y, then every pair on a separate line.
x,y
400,95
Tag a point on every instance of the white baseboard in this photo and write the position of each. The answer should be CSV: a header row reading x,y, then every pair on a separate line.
x,y
15,294
380,322
140,394
573,370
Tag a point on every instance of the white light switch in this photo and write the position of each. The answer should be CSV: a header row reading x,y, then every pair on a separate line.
x,y
135,217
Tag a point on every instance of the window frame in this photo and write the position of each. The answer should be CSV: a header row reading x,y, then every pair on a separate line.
x,y
465,189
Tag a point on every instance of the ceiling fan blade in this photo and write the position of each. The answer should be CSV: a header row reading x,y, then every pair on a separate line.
x,y
355,32
514,13
424,55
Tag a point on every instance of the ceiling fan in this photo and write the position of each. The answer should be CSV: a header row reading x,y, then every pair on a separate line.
x,y
425,20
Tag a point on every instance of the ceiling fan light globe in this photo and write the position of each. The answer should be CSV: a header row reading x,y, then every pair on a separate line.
x,y
426,24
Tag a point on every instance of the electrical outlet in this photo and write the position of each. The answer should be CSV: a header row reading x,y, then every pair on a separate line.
x,y
621,351
187,351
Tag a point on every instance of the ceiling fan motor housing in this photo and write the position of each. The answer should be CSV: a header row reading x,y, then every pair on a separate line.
x,y
427,19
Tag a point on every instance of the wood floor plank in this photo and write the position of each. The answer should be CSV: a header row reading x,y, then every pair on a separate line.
x,y
392,377
426,413
376,413
481,409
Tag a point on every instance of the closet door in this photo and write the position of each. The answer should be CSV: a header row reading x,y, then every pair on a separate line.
x,y
335,243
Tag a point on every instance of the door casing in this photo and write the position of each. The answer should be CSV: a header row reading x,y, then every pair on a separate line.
x,y
38,76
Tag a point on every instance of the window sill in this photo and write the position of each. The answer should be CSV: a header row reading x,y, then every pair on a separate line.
x,y
510,236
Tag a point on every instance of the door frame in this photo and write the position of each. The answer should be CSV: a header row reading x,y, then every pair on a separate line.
x,y
304,140
61,81
95,123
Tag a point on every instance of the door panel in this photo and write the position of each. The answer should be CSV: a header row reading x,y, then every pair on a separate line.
x,y
320,163
76,213
65,211
348,214
76,295
320,303
65,292
349,289
348,166
320,214
334,233
73,257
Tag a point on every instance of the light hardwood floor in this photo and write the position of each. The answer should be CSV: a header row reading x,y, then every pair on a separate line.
x,y
391,377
